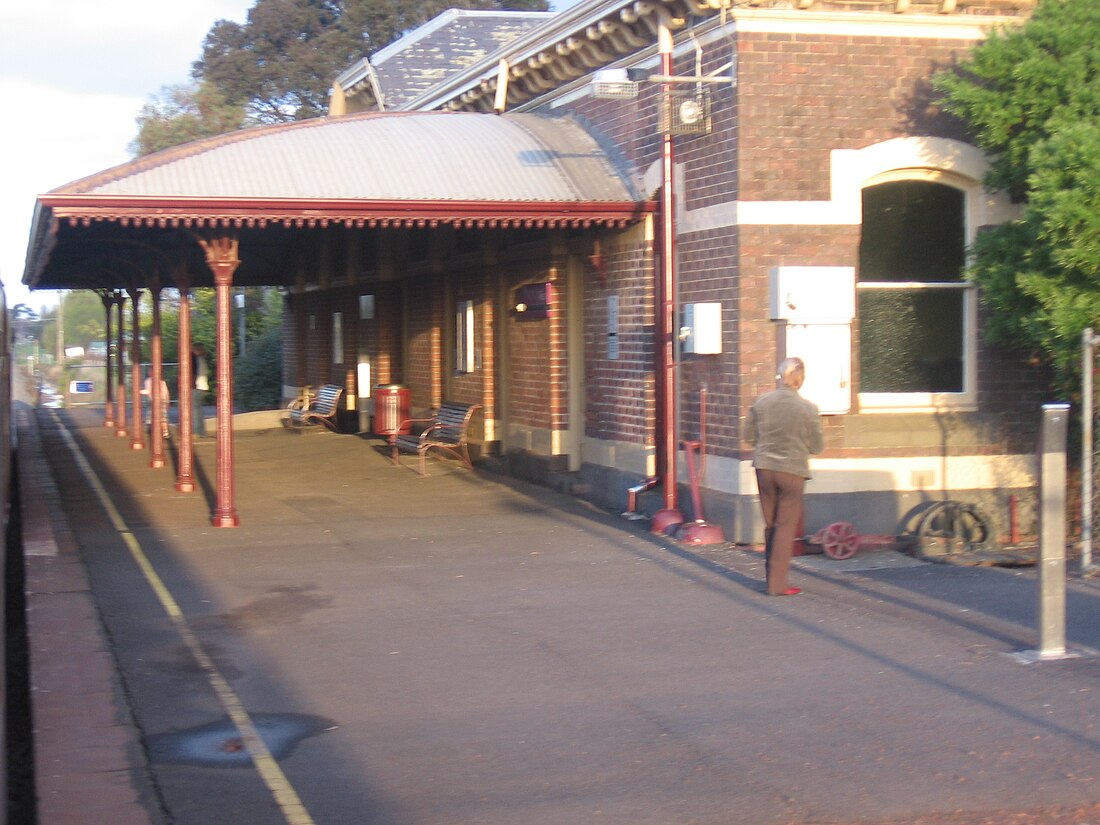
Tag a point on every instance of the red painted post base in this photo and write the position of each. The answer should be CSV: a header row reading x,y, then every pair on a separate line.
x,y
136,445
699,533
225,520
185,487
156,462
664,521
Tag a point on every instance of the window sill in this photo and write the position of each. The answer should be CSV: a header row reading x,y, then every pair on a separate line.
x,y
876,403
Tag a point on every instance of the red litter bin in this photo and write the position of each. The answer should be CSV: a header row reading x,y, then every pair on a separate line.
x,y
391,409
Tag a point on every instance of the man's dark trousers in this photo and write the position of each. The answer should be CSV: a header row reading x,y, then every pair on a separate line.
x,y
781,503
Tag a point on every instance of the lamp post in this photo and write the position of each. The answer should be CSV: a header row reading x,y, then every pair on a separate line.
x,y
622,83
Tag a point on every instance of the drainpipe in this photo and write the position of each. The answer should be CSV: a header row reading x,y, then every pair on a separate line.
x,y
632,496
667,290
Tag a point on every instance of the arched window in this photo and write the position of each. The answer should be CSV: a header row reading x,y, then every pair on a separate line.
x,y
916,312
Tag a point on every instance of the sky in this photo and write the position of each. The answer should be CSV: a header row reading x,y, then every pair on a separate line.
x,y
74,75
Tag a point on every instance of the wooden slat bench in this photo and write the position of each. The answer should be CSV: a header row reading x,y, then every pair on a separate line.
x,y
320,409
446,431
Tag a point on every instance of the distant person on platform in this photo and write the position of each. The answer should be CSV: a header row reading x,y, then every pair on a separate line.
x,y
147,403
200,383
784,430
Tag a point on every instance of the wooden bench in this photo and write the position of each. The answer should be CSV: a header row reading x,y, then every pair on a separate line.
x,y
318,409
446,431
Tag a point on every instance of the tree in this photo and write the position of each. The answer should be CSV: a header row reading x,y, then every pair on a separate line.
x,y
182,113
84,318
1031,98
22,312
280,64
258,372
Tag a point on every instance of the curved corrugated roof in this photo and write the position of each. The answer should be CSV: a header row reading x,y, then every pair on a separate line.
x,y
415,156
376,170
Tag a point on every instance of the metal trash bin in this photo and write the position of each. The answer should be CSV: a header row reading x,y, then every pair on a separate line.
x,y
391,409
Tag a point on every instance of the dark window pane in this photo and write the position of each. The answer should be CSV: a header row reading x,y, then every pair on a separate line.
x,y
911,340
912,231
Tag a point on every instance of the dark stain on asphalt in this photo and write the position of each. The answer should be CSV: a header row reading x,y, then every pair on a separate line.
x,y
222,744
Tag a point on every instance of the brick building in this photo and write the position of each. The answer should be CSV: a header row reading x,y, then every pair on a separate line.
x,y
791,190
823,208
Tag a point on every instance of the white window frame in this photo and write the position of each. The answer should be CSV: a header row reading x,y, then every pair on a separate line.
x,y
338,338
967,399
464,337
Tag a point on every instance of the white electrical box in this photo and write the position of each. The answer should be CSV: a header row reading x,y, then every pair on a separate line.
x,y
701,331
826,349
804,294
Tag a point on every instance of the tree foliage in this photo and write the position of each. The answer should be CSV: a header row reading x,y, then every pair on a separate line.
x,y
279,65
84,318
182,113
1031,98
256,372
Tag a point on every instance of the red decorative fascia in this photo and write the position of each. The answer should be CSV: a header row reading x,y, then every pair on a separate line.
x,y
201,212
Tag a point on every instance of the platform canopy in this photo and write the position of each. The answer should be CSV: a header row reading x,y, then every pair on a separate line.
x,y
375,170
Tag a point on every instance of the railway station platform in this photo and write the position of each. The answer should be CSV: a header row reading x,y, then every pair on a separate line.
x,y
370,647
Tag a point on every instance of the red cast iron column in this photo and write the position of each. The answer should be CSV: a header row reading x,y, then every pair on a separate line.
x,y
108,299
137,430
185,481
158,402
221,255
120,396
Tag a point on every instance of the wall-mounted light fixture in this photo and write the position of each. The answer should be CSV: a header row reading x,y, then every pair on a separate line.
x,y
533,302
617,83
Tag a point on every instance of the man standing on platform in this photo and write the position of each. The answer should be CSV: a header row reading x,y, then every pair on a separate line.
x,y
784,429
200,383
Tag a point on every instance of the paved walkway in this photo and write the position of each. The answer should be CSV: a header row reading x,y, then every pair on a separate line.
x,y
374,647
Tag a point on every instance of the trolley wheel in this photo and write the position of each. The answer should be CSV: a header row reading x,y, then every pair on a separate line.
x,y
840,540
954,526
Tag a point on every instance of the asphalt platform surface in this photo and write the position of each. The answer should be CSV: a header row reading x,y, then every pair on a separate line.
x,y
373,647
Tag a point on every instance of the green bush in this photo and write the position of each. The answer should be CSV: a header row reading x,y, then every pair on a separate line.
x,y
257,375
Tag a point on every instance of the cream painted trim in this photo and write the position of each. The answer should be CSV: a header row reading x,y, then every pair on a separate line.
x,y
841,475
850,170
931,474
537,440
900,474
619,455
868,24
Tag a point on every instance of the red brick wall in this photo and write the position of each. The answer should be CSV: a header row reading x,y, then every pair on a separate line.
x,y
619,393
798,97
536,356
424,310
472,284
801,96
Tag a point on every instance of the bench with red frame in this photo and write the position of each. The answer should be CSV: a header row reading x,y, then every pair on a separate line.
x,y
318,409
446,431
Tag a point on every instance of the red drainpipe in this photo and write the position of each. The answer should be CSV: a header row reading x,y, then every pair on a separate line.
x,y
667,285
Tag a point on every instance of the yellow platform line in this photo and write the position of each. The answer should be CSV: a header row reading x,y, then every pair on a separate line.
x,y
268,767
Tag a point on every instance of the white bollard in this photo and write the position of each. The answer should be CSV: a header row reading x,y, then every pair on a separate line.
x,y
1052,537
1052,531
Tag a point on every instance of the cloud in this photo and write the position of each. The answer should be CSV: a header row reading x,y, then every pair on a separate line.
x,y
64,136
120,46
74,75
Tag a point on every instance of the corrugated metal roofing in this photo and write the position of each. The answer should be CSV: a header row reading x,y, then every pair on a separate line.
x,y
415,156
